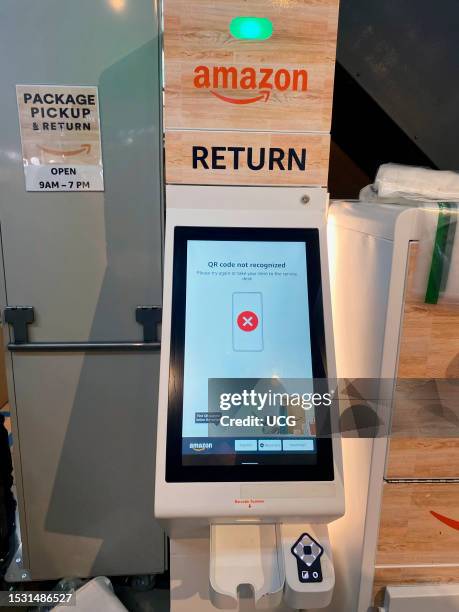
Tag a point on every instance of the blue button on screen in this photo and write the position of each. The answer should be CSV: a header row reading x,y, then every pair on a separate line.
x,y
269,445
298,445
245,445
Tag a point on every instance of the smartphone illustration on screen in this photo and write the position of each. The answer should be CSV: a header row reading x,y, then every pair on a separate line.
x,y
247,321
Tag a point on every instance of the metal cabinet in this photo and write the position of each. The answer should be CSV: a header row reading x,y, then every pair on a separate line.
x,y
84,423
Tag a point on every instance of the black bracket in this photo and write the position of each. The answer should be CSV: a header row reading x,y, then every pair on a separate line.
x,y
149,317
19,317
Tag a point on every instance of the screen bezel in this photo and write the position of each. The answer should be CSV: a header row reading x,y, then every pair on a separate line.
x,y
323,469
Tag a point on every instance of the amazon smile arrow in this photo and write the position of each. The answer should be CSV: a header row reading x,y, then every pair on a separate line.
x,y
262,95
446,520
83,149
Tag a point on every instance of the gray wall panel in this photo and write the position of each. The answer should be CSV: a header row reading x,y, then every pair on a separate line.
x,y
86,423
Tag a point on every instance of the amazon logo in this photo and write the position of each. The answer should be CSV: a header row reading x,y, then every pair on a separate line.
x,y
255,85
199,447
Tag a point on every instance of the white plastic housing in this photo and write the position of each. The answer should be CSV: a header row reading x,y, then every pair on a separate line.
x,y
299,595
184,507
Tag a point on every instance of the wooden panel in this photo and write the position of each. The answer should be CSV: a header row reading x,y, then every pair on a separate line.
x,y
409,533
424,438
430,341
424,443
314,148
304,39
423,458
411,575
430,334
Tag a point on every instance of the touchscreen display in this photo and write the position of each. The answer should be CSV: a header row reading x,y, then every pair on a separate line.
x,y
244,392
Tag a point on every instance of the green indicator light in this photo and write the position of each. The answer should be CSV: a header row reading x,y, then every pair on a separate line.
x,y
251,28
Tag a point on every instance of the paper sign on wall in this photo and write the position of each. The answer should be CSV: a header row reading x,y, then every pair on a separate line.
x,y
60,133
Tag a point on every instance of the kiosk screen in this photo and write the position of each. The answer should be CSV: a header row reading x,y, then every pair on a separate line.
x,y
247,341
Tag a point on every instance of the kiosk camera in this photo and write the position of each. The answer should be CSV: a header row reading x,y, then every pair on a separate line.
x,y
241,468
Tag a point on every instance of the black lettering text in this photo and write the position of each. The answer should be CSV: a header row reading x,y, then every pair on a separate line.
x,y
200,155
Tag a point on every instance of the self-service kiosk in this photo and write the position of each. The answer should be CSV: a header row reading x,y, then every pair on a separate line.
x,y
246,488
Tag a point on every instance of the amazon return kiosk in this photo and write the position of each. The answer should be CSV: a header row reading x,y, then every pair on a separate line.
x,y
244,485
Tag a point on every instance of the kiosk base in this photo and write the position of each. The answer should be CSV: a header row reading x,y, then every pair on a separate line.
x,y
245,556
252,567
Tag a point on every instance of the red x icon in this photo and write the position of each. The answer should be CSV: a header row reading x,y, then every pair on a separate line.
x,y
247,321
